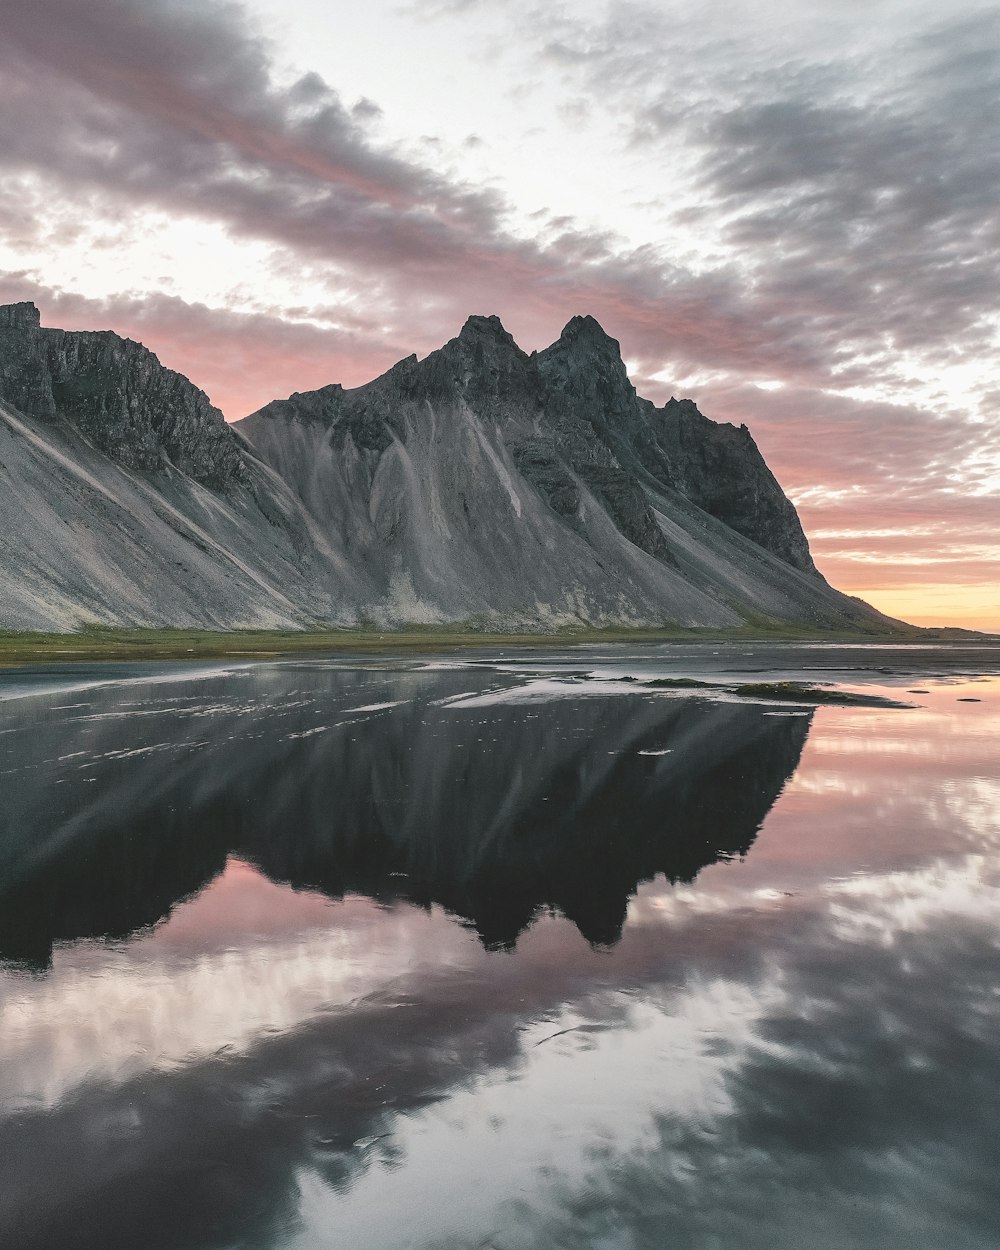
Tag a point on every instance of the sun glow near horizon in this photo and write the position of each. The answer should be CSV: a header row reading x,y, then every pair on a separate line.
x,y
948,605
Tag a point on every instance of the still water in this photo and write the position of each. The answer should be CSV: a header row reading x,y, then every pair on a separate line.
x,y
501,950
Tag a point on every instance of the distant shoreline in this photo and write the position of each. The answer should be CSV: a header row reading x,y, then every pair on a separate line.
x,y
18,648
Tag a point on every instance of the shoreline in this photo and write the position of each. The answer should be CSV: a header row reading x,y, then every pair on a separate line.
x,y
19,648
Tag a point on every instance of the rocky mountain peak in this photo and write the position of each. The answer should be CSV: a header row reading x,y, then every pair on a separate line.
x,y
590,404
588,333
585,345
482,362
586,356
477,328
20,316
484,344
117,395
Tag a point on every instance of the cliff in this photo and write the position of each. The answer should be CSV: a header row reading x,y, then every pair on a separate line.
x,y
480,485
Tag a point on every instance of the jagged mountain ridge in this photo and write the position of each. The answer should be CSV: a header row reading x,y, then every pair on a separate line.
x,y
480,484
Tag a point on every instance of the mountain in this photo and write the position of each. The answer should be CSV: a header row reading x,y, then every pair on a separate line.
x,y
127,500
480,485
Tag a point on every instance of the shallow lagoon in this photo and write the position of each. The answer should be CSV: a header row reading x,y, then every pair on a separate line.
x,y
501,950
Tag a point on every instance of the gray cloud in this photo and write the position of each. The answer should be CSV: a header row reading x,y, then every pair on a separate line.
x,y
176,105
858,214
856,194
177,108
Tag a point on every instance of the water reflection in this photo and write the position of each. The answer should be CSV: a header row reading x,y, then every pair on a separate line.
x,y
494,808
793,1048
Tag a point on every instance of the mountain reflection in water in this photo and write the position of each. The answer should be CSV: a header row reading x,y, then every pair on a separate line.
x,y
496,812
318,955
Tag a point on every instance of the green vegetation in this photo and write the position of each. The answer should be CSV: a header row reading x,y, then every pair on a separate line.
x,y
683,683
187,644
793,692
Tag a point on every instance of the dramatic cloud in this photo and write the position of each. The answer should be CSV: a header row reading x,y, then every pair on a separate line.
x,y
177,108
843,1080
856,196
175,104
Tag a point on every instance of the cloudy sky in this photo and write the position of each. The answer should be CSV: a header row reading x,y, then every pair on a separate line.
x,y
787,211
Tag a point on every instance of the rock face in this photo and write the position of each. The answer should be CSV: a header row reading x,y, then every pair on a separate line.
x,y
125,498
118,396
717,467
480,485
25,382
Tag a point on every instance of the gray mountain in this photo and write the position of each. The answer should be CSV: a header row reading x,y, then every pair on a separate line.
x,y
125,499
479,485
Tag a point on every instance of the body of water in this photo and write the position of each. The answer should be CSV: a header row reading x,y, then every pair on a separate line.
x,y
510,950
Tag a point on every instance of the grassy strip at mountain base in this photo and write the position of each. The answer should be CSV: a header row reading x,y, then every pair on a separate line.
x,y
186,644
680,683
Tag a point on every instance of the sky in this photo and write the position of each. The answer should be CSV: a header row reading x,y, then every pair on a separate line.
x,y
788,212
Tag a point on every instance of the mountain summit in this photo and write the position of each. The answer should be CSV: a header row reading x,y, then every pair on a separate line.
x,y
480,485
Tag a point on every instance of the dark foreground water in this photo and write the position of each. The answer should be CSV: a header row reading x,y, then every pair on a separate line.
x,y
501,951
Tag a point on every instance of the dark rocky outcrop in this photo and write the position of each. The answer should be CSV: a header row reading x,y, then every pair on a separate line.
x,y
118,396
599,417
627,506
540,463
25,380
591,406
719,468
